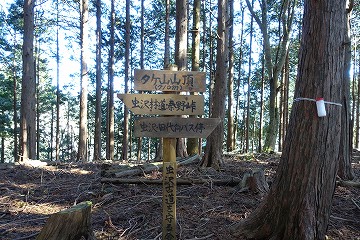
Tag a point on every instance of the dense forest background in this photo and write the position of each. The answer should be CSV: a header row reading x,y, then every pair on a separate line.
x,y
263,45
272,169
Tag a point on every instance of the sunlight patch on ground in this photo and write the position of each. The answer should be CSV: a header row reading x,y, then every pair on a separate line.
x,y
34,208
80,171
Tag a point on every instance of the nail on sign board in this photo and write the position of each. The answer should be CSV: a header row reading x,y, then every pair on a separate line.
x,y
164,104
167,80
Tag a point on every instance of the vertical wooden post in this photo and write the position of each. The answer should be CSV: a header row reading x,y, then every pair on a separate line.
x,y
169,189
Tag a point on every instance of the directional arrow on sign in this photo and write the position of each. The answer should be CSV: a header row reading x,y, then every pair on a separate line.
x,y
175,127
164,104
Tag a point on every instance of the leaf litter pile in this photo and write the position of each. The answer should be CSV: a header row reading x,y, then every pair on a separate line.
x,y
205,210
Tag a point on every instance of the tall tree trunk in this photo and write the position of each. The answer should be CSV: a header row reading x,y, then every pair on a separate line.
x,y
211,60
50,156
356,91
57,133
299,203
15,115
230,141
357,123
214,151
37,80
193,143
248,83
2,158
167,65
125,145
345,170
110,97
68,132
353,97
28,102
274,67
281,109
204,30
285,101
142,47
83,129
167,35
97,134
261,124
181,56
236,127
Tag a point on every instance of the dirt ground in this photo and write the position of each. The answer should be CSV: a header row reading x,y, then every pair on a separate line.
x,y
28,195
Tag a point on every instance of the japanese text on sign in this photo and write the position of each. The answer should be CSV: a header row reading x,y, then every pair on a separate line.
x,y
167,80
169,201
175,127
171,82
172,127
164,104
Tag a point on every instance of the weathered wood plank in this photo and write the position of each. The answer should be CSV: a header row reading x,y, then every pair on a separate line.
x,y
164,104
175,127
169,189
167,80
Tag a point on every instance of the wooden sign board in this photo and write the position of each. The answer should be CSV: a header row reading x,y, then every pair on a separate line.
x,y
164,104
167,80
175,127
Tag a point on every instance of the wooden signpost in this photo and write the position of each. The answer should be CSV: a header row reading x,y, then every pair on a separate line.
x,y
167,80
164,104
167,127
170,127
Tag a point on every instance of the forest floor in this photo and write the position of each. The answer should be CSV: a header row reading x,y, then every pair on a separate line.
x,y
28,195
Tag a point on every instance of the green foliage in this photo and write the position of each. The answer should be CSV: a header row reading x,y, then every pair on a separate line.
x,y
5,106
15,17
154,20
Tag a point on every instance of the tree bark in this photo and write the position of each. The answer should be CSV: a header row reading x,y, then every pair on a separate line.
x,y
70,224
255,182
211,60
236,127
28,101
261,124
125,145
37,81
230,140
248,83
345,170
214,145
284,102
357,123
193,143
15,115
97,134
181,56
299,203
110,96
167,35
2,157
142,47
83,129
57,133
